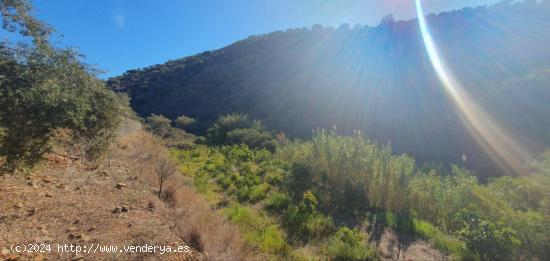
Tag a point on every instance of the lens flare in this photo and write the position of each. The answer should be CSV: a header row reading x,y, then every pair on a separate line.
x,y
509,154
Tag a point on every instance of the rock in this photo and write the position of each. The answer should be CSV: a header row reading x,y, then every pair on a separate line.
x,y
151,206
38,258
75,236
70,229
77,257
91,228
120,185
85,237
48,195
18,205
82,237
121,208
117,209
5,251
31,211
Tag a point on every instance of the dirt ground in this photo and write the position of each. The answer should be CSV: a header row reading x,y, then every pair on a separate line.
x,y
63,204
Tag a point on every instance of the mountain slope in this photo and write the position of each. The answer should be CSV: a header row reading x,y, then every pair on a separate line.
x,y
374,79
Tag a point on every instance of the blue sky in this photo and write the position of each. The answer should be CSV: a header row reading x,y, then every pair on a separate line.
x,y
117,35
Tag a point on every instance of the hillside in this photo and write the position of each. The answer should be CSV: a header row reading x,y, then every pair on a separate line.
x,y
374,79
67,200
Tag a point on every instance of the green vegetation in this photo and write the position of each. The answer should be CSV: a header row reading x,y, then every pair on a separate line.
x,y
239,129
259,230
43,89
348,244
311,191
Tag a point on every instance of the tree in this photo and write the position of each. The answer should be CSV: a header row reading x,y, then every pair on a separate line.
x,y
43,88
17,16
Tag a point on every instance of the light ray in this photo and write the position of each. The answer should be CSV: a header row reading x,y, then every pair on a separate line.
x,y
509,154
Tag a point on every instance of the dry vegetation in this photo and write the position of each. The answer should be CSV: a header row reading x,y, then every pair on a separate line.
x,y
194,219
114,203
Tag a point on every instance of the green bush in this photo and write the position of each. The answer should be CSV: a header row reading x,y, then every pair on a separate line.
x,y
489,240
217,135
349,244
241,215
304,223
259,230
259,192
239,129
319,226
270,240
277,202
275,177
254,138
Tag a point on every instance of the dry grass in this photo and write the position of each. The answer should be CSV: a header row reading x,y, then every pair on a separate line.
x,y
194,220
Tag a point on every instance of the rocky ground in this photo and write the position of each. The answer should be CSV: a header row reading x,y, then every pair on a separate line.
x,y
62,203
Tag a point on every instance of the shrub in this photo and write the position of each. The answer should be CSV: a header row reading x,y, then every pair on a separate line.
x,y
276,202
183,122
319,226
252,137
164,170
194,239
489,240
239,129
217,135
349,244
275,177
241,215
269,239
159,125
259,192
303,222
259,230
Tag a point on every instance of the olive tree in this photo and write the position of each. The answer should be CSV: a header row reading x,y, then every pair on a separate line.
x,y
44,88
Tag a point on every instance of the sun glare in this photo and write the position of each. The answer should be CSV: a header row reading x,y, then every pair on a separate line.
x,y
506,151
